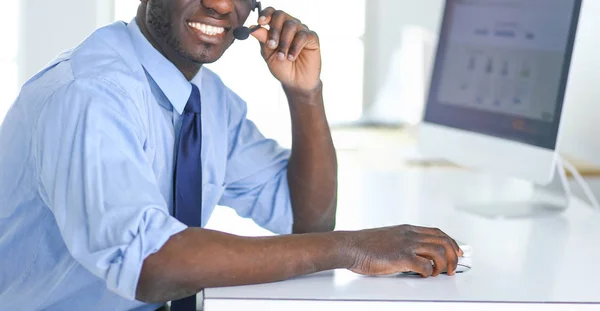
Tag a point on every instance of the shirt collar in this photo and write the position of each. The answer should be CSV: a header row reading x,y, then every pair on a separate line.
x,y
169,79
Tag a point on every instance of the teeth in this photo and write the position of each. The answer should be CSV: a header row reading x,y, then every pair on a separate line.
x,y
207,29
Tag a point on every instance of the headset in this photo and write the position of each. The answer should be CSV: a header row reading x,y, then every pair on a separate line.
x,y
256,5
242,32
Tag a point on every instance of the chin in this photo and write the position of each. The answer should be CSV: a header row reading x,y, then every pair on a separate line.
x,y
204,53
206,59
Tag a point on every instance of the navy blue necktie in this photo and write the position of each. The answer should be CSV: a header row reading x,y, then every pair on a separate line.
x,y
188,178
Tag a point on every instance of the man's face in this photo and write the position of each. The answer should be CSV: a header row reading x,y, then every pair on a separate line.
x,y
196,30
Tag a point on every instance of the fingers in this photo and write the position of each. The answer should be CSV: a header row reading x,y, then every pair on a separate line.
x,y
434,252
300,41
453,242
278,18
439,233
449,251
304,39
261,35
422,266
286,37
265,16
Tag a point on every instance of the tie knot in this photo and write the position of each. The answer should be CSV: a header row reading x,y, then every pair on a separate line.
x,y
193,103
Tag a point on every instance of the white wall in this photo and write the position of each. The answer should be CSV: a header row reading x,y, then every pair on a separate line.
x,y
8,55
386,26
581,113
49,27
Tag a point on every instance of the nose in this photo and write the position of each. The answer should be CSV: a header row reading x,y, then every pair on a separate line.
x,y
222,7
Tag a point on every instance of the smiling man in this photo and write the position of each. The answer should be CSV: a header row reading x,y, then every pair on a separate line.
x,y
115,155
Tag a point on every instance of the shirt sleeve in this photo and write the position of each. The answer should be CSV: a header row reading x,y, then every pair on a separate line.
x,y
256,178
97,182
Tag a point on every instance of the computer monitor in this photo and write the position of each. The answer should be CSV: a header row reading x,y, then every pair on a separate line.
x,y
498,83
578,135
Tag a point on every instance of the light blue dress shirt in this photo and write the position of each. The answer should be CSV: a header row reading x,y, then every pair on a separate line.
x,y
86,172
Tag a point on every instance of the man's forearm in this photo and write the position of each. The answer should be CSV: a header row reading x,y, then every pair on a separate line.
x,y
196,259
312,169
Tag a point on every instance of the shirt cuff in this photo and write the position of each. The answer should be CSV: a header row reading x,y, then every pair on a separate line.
x,y
155,228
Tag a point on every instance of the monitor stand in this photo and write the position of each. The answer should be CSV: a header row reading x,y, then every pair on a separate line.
x,y
538,201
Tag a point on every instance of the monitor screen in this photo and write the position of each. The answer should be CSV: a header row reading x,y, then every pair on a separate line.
x,y
501,68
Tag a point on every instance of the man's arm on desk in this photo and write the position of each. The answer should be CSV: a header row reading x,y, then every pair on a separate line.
x,y
197,258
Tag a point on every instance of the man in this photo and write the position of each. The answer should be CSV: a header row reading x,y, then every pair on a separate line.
x,y
114,156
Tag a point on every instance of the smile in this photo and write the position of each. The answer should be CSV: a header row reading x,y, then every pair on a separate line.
x,y
207,29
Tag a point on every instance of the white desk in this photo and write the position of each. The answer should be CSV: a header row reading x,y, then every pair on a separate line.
x,y
529,264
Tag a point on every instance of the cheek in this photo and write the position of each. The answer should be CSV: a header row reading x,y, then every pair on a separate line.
x,y
178,22
228,42
243,14
181,34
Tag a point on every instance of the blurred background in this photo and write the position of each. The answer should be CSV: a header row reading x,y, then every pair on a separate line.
x,y
377,55
368,53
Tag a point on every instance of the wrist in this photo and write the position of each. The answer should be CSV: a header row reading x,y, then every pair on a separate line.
x,y
306,94
345,249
